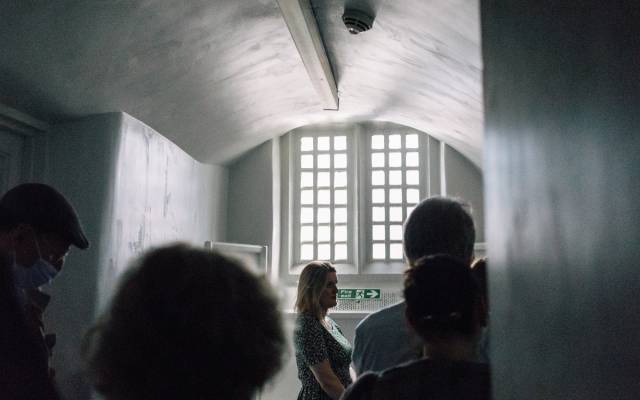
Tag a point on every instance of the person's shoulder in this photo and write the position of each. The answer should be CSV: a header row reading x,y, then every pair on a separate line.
x,y
305,326
382,315
362,388
476,370
305,321
476,373
426,363
333,322
406,367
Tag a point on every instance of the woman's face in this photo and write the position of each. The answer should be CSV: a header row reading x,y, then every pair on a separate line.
x,y
328,297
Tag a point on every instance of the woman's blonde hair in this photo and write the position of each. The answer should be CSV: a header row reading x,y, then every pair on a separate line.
x,y
310,286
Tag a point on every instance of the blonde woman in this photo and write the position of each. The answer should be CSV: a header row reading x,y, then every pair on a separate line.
x,y
323,354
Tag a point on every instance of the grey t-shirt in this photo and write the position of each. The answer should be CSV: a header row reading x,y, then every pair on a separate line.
x,y
383,340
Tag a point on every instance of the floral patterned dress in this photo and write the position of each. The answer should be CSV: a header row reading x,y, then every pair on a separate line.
x,y
314,344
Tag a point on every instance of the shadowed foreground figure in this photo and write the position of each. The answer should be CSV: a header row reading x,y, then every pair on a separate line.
x,y
186,323
445,308
38,226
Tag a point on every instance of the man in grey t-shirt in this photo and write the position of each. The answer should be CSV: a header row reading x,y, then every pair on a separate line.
x,y
437,225
388,325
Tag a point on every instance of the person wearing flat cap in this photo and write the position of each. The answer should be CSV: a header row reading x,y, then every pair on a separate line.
x,y
38,226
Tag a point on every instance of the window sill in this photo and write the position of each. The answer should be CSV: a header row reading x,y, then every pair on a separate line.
x,y
334,314
384,268
341,269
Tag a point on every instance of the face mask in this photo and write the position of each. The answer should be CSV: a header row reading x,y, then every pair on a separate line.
x,y
41,272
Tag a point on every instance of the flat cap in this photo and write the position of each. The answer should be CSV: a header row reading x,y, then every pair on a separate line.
x,y
44,208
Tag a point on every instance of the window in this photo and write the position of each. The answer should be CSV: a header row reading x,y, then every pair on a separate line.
x,y
394,189
323,219
350,195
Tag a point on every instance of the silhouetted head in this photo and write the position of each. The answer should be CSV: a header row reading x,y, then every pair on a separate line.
x,y
43,208
316,288
187,323
443,298
37,221
439,225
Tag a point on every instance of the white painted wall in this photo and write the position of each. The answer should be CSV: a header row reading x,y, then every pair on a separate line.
x,y
250,207
160,195
81,158
464,180
133,189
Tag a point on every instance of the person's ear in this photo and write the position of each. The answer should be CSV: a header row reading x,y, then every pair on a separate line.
x,y
409,320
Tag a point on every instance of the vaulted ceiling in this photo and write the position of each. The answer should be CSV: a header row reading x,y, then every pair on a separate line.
x,y
219,77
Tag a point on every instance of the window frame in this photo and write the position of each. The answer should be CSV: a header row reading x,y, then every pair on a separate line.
x,y
295,263
360,260
370,266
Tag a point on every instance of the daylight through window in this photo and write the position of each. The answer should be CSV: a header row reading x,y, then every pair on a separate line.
x,y
352,193
324,200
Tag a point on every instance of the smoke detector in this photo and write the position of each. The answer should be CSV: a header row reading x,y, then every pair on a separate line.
x,y
357,21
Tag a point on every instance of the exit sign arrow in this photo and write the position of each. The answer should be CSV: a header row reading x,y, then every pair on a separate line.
x,y
372,293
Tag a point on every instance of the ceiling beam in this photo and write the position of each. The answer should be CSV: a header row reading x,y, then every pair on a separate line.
x,y
302,24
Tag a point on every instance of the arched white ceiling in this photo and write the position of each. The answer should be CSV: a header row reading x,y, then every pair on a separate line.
x,y
219,77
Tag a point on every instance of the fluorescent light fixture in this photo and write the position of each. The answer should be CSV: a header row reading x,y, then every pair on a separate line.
x,y
304,29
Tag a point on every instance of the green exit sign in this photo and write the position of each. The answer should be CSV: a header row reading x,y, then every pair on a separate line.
x,y
358,294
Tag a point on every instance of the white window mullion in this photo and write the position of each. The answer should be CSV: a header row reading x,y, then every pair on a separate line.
x,y
332,204
340,146
323,192
315,199
396,184
360,235
387,200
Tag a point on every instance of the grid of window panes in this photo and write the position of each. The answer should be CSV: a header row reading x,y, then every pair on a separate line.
x,y
395,190
323,223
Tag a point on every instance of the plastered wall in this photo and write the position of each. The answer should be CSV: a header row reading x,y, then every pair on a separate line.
x,y
464,180
81,158
160,195
249,216
133,189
